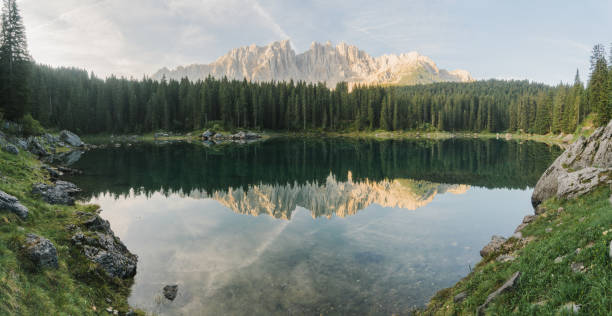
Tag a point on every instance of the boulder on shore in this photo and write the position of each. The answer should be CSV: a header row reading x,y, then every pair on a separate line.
x,y
71,138
11,203
101,246
586,164
35,147
11,149
59,193
41,251
208,134
494,245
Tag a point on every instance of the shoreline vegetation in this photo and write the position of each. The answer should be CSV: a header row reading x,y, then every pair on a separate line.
x,y
559,260
60,278
560,139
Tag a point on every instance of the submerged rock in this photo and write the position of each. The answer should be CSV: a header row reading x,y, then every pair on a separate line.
x,y
586,164
101,246
41,251
71,138
11,203
59,193
494,245
170,291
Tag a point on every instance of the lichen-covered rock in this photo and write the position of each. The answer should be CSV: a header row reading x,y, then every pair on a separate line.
x,y
11,203
494,245
35,147
100,245
586,164
59,193
11,149
41,251
70,138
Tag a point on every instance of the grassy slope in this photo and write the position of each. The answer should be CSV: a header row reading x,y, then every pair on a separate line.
x,y
73,289
544,286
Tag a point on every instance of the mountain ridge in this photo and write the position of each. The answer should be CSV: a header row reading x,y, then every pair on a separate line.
x,y
320,63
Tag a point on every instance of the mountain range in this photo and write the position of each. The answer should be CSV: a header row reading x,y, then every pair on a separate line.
x,y
321,63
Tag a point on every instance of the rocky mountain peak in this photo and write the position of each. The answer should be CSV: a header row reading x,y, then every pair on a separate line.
x,y
321,63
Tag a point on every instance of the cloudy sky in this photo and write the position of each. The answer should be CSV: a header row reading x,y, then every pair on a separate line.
x,y
545,40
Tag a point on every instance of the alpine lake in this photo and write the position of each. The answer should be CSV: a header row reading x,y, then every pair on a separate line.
x,y
308,226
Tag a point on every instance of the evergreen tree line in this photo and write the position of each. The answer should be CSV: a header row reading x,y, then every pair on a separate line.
x,y
72,99
149,168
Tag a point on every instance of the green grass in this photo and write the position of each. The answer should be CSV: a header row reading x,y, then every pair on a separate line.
x,y
73,289
544,286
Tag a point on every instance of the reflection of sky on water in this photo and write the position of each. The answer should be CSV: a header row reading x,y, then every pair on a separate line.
x,y
379,260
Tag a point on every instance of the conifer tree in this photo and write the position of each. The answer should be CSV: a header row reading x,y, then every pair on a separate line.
x,y
14,63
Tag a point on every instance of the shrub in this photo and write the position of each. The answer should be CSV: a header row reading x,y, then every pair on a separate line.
x,y
31,127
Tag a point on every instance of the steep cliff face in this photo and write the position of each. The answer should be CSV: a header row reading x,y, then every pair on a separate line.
x,y
321,63
586,164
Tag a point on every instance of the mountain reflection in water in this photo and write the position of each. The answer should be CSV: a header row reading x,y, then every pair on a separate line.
x,y
332,198
336,237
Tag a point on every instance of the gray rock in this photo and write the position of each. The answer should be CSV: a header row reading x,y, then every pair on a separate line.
x,y
505,258
548,229
35,147
494,245
71,138
540,210
96,223
460,297
170,291
568,138
559,259
19,142
610,252
11,203
41,251
10,148
577,267
583,181
529,218
510,283
565,178
59,193
102,247
570,307
53,172
208,134
51,139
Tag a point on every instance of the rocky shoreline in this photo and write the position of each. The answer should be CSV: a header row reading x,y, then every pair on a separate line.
x,y
585,166
91,237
